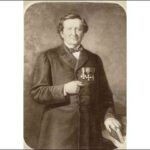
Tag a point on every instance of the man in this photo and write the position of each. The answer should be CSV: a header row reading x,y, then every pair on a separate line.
x,y
70,81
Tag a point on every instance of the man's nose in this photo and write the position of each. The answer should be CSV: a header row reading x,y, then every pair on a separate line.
x,y
73,32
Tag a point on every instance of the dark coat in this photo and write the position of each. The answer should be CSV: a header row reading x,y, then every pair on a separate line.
x,y
72,121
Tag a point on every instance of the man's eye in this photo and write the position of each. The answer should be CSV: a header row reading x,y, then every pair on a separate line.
x,y
79,29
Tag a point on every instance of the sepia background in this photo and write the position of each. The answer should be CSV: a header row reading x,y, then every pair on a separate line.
x,y
106,37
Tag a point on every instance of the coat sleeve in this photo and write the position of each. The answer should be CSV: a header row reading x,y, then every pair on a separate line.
x,y
107,103
43,90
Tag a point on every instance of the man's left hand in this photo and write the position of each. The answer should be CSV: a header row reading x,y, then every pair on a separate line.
x,y
112,123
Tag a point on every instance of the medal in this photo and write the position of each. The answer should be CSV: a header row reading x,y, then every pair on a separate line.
x,y
87,74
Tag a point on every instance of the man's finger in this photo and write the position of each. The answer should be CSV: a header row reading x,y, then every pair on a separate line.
x,y
112,126
77,89
108,128
117,123
79,83
120,136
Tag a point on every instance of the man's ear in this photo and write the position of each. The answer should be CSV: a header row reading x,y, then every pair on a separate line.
x,y
61,34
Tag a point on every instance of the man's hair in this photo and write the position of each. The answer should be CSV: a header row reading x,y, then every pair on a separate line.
x,y
71,16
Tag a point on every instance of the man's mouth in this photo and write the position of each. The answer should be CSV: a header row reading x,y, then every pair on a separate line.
x,y
75,39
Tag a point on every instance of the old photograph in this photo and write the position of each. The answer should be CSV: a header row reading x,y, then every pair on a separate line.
x,y
75,75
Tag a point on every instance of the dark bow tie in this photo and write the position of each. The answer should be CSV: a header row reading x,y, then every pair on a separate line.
x,y
73,50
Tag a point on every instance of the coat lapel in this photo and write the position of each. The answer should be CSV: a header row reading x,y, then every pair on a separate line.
x,y
70,60
67,57
82,59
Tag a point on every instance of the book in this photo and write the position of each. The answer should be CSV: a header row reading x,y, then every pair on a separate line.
x,y
117,135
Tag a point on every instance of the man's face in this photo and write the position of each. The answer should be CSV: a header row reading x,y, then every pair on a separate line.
x,y
72,33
